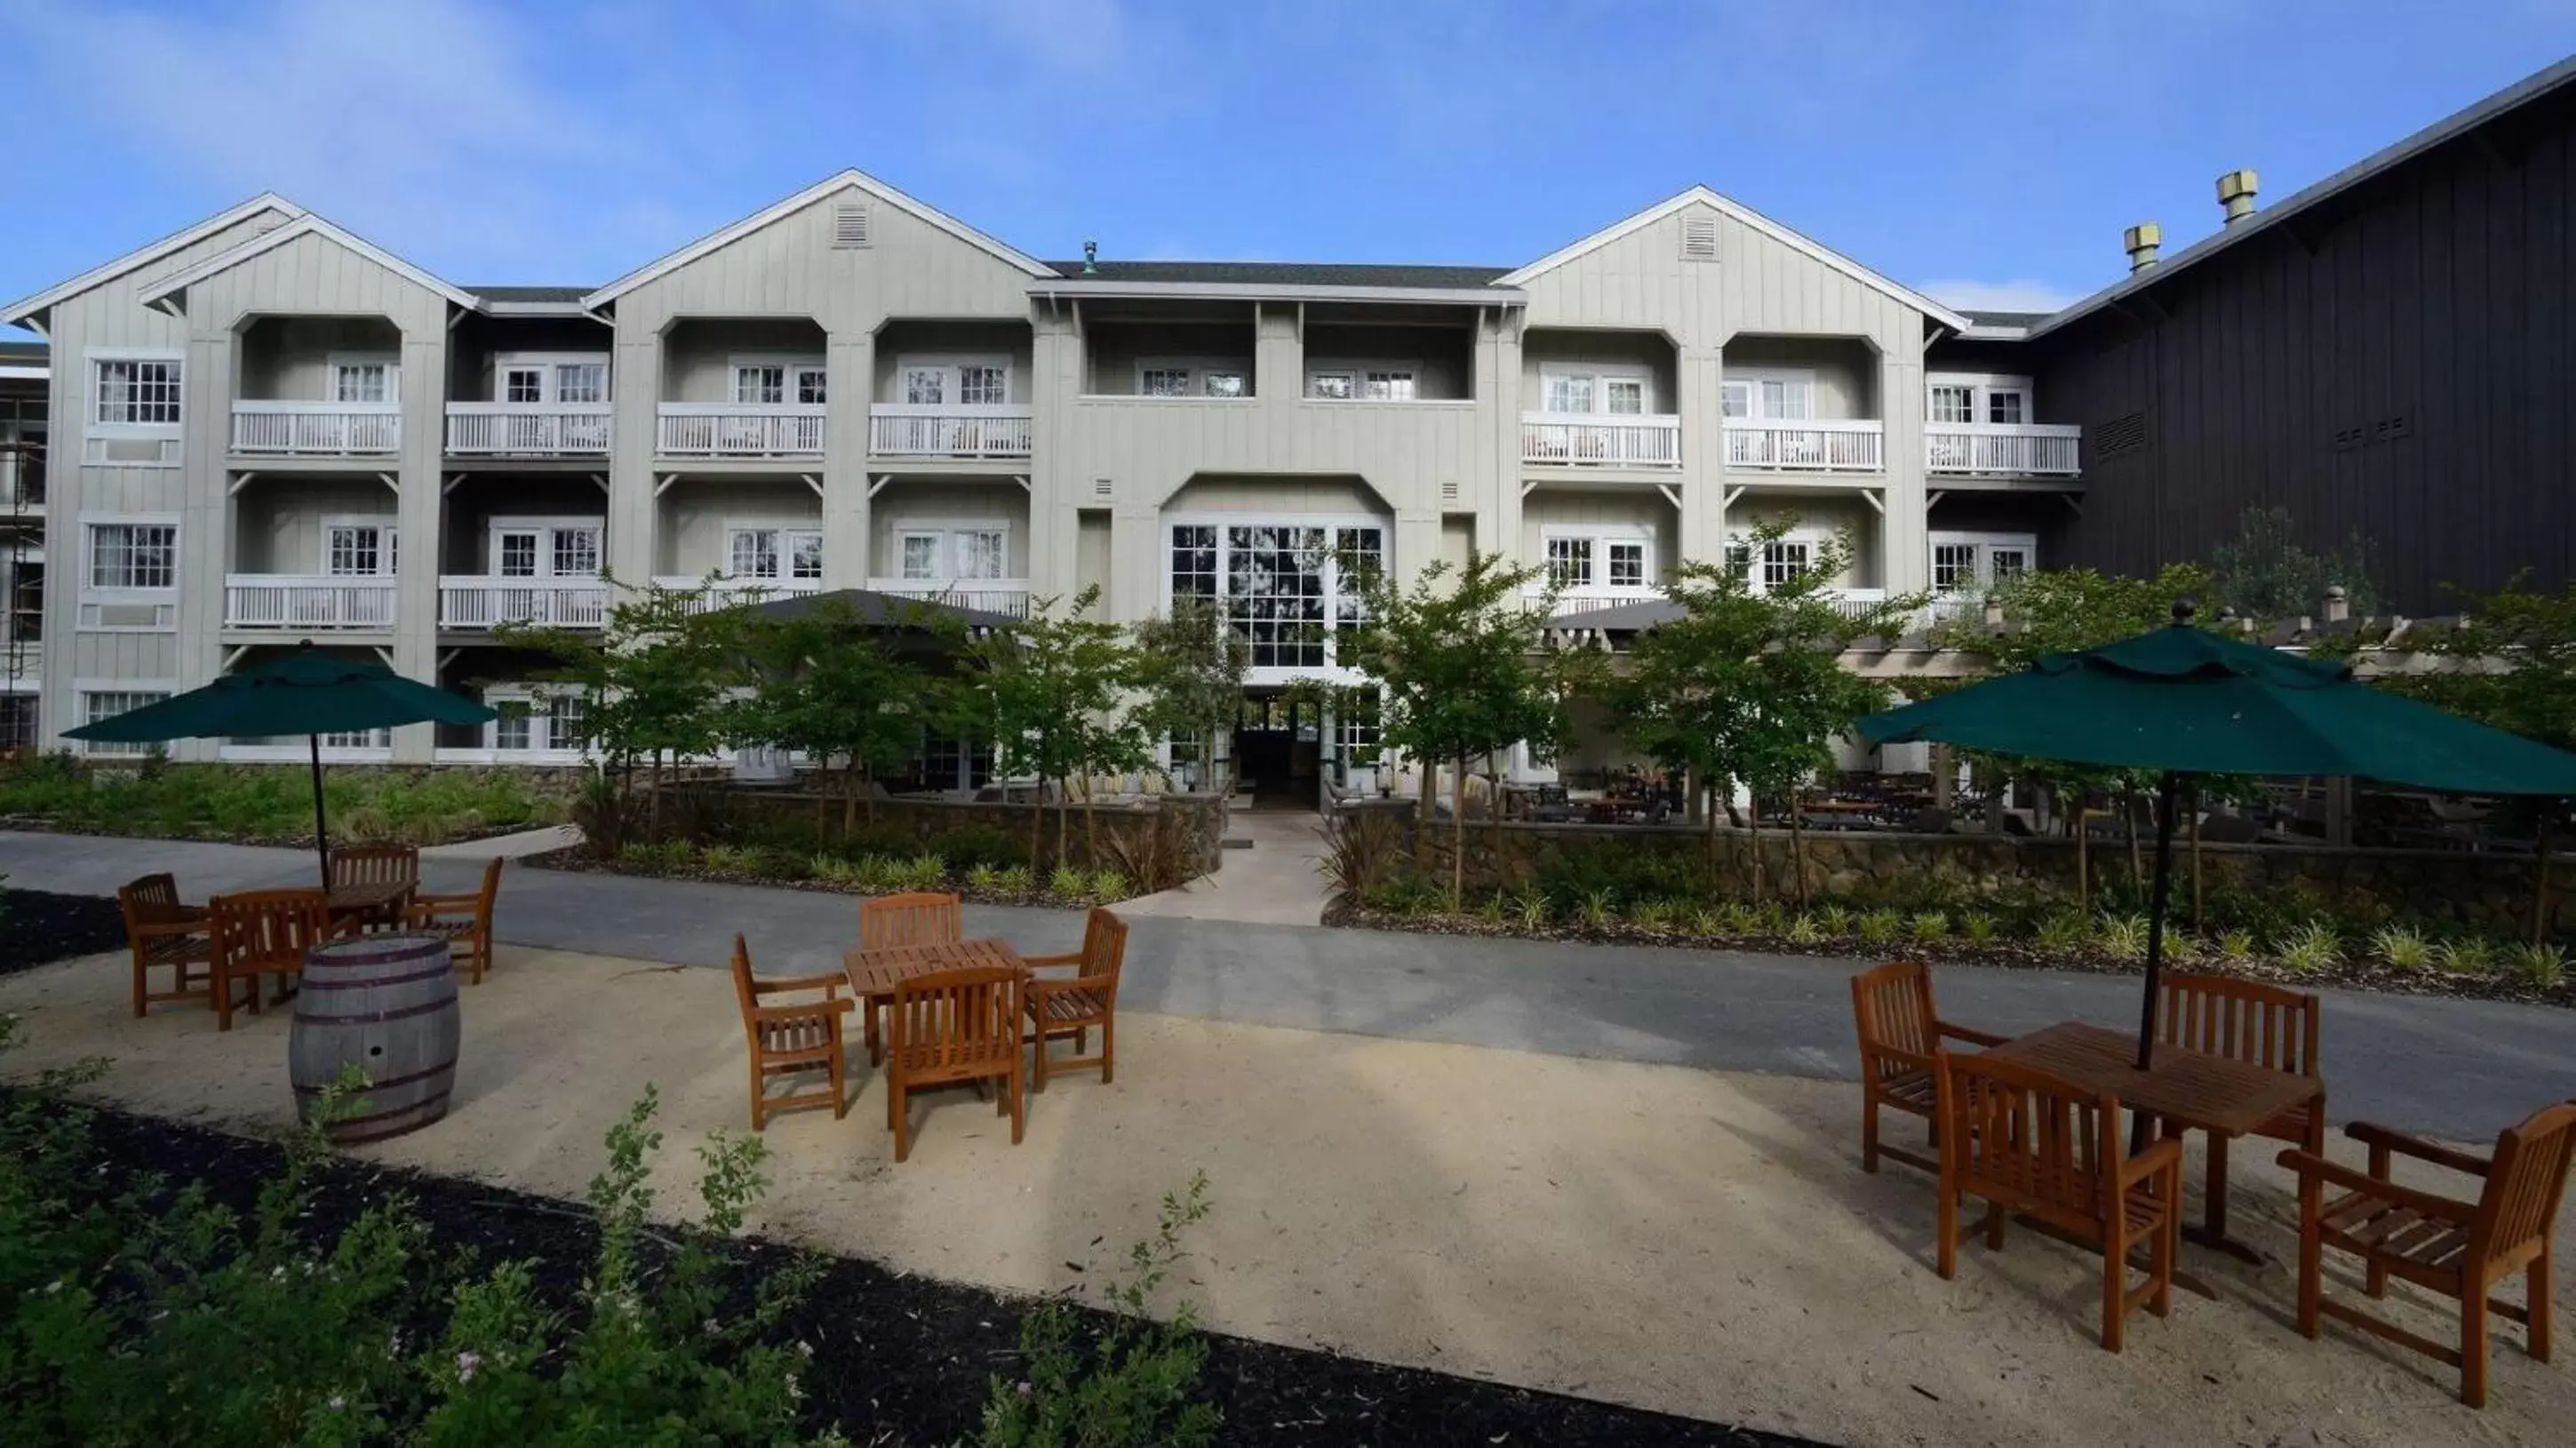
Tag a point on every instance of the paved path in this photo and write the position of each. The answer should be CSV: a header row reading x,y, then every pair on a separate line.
x,y
2463,1069
1272,883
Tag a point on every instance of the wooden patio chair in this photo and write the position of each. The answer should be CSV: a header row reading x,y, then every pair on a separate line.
x,y
921,917
162,932
1900,1032
466,921
790,1038
951,1026
1060,1006
2033,1143
262,932
2456,1248
2261,1025
374,865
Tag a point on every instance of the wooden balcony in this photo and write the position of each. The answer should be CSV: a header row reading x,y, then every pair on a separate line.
x,y
1563,439
740,430
308,601
989,595
527,429
1995,449
473,601
906,430
1807,445
317,429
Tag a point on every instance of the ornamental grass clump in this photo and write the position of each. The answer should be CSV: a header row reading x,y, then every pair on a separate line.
x,y
1928,927
2538,964
2122,937
2403,947
1880,927
2465,955
2311,948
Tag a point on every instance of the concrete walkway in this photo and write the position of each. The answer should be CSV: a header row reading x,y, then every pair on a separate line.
x,y
2462,1069
1272,883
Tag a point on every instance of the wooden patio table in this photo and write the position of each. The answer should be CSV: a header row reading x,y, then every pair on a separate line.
x,y
351,905
2208,1093
875,973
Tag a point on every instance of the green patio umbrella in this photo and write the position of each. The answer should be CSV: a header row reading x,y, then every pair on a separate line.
x,y
307,692
2187,701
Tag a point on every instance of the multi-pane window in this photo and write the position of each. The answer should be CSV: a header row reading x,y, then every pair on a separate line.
x,y
137,392
133,555
1623,395
1784,560
357,550
2006,405
1225,382
1627,564
1389,385
1569,562
760,383
983,385
362,382
951,763
1358,555
523,384
805,556
576,552
1164,382
810,390
1355,734
553,723
98,704
1971,563
1193,562
1954,567
2006,564
795,554
1331,384
1275,593
1769,398
920,558
517,555
581,382
1627,392
1954,402
1569,393
981,553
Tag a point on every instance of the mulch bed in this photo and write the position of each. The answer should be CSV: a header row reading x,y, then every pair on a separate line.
x,y
38,925
2009,955
901,1359
583,860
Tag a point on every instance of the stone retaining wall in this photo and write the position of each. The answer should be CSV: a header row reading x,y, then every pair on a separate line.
x,y
1180,832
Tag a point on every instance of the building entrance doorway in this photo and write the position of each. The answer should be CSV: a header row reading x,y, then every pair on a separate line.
x,y
1278,750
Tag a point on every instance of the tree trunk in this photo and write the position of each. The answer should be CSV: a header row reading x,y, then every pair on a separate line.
x,y
1494,821
1714,875
1798,851
1430,790
2194,806
1063,793
1753,823
2129,826
2540,878
1207,755
653,807
1458,837
1037,827
2083,860
1091,828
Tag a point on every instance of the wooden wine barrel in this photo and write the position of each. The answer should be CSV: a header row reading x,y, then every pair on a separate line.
x,y
388,1004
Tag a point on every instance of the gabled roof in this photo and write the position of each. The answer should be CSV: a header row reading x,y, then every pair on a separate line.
x,y
2458,123
1283,273
1745,216
32,309
306,225
849,180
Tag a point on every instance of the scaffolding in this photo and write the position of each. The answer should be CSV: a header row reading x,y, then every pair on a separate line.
x,y
22,570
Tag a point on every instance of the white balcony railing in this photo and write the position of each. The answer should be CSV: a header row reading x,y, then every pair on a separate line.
x,y
292,601
317,429
1807,445
527,429
714,593
1596,597
741,430
989,595
473,601
908,430
1606,442
2027,450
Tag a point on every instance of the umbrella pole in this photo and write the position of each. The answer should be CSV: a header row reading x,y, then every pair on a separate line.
x,y
2167,793
321,841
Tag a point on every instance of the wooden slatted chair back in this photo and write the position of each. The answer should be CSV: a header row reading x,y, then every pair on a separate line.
x,y
1104,946
2519,1209
956,1025
919,918
744,992
152,900
2023,1136
1893,1008
2242,1020
375,865
267,930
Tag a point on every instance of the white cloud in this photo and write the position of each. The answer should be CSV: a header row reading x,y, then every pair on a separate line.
x,y
2022,294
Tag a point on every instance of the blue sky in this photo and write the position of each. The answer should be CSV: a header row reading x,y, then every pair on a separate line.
x,y
1989,152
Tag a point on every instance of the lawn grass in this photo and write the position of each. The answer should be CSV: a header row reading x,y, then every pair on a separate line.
x,y
270,804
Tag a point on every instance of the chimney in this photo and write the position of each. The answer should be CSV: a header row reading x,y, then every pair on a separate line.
x,y
1090,258
2143,241
2337,608
2236,194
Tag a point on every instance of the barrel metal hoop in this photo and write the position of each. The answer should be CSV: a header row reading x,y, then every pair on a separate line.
x,y
310,983
389,1083
444,1003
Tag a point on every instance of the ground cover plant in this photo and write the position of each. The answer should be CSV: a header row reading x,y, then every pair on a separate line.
x,y
268,804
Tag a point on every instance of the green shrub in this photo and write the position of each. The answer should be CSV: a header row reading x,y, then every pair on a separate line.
x,y
1880,927
254,803
1108,886
1929,927
2312,947
1803,930
2465,955
982,845
732,860
879,874
1596,907
1770,918
2538,964
2236,945
2122,937
925,872
1834,920
2063,931
1069,884
984,877
1707,922
2402,946
1740,918
1655,916
1495,909
1530,908
1013,880
831,869
1977,928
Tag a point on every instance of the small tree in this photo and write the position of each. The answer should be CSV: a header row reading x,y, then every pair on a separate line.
x,y
1466,667
651,678
1192,668
2264,573
826,683
1055,692
1748,683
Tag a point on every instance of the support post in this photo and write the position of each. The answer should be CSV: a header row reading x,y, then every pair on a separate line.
x,y
2168,791
321,840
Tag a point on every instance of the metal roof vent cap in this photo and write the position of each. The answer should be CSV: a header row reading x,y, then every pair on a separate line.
x,y
1090,258
2142,242
2236,194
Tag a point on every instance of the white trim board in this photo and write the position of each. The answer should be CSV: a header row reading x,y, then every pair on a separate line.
x,y
852,179
306,224
21,310
1745,216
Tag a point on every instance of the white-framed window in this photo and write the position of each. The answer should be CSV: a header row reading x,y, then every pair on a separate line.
x,y
1783,396
1614,555
581,381
1784,560
1973,563
1627,562
2007,406
1339,381
137,401
1952,402
1617,390
1192,377
1996,398
1332,384
542,377
766,382
774,553
933,550
546,547
1569,562
937,380
106,701
131,556
361,378
358,548
1289,586
1388,384
530,722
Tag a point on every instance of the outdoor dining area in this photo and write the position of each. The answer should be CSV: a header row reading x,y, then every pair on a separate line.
x,y
936,1009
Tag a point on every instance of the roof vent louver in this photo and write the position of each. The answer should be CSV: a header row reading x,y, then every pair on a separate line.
x,y
1699,237
849,226
1103,488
